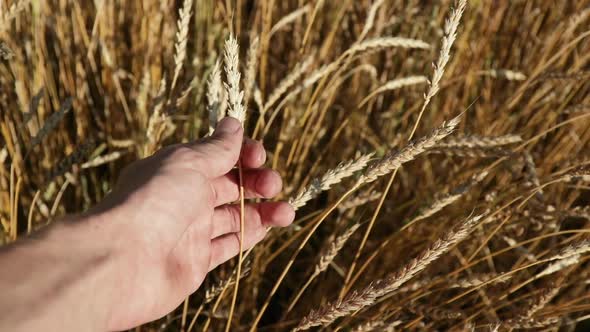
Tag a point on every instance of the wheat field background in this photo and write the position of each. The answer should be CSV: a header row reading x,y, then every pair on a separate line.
x,y
436,151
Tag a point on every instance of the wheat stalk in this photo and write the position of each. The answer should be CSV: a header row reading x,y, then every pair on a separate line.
x,y
358,300
450,34
185,14
331,177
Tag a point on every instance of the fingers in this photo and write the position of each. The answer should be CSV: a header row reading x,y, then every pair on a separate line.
x,y
226,219
258,183
227,246
253,154
219,153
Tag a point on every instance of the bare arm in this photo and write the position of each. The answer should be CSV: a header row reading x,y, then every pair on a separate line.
x,y
134,257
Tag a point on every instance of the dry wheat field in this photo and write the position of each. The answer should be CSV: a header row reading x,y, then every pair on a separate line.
x,y
436,151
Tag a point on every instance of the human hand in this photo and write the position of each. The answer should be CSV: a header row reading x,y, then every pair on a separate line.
x,y
175,220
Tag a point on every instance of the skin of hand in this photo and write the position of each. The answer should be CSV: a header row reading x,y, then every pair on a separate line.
x,y
169,220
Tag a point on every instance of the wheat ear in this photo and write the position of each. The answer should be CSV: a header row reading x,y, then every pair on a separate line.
x,y
181,39
288,82
370,21
251,67
450,34
214,97
51,123
232,72
326,257
394,85
358,300
394,160
330,178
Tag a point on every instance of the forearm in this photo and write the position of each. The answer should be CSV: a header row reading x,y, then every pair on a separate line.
x,y
59,278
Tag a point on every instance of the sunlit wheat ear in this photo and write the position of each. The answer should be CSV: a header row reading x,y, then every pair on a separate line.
x,y
330,178
450,34
51,123
251,68
377,325
214,97
449,198
529,323
212,292
290,18
575,21
102,160
360,299
394,85
181,39
506,74
370,21
234,94
379,43
394,160
482,142
359,200
328,255
288,81
467,282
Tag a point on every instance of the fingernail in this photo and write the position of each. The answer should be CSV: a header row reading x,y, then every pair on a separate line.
x,y
228,126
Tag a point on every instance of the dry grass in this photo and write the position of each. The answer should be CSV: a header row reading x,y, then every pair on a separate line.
x,y
337,91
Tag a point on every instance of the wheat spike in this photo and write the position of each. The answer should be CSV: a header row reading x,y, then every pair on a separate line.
x,y
330,178
359,200
370,21
379,43
101,160
394,85
481,142
335,246
289,18
214,97
506,74
181,39
232,72
449,198
51,123
288,81
450,34
393,161
251,67
357,300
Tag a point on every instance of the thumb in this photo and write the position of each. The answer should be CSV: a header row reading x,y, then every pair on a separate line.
x,y
221,150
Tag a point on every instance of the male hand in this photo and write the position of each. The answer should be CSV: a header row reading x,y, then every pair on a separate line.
x,y
175,220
